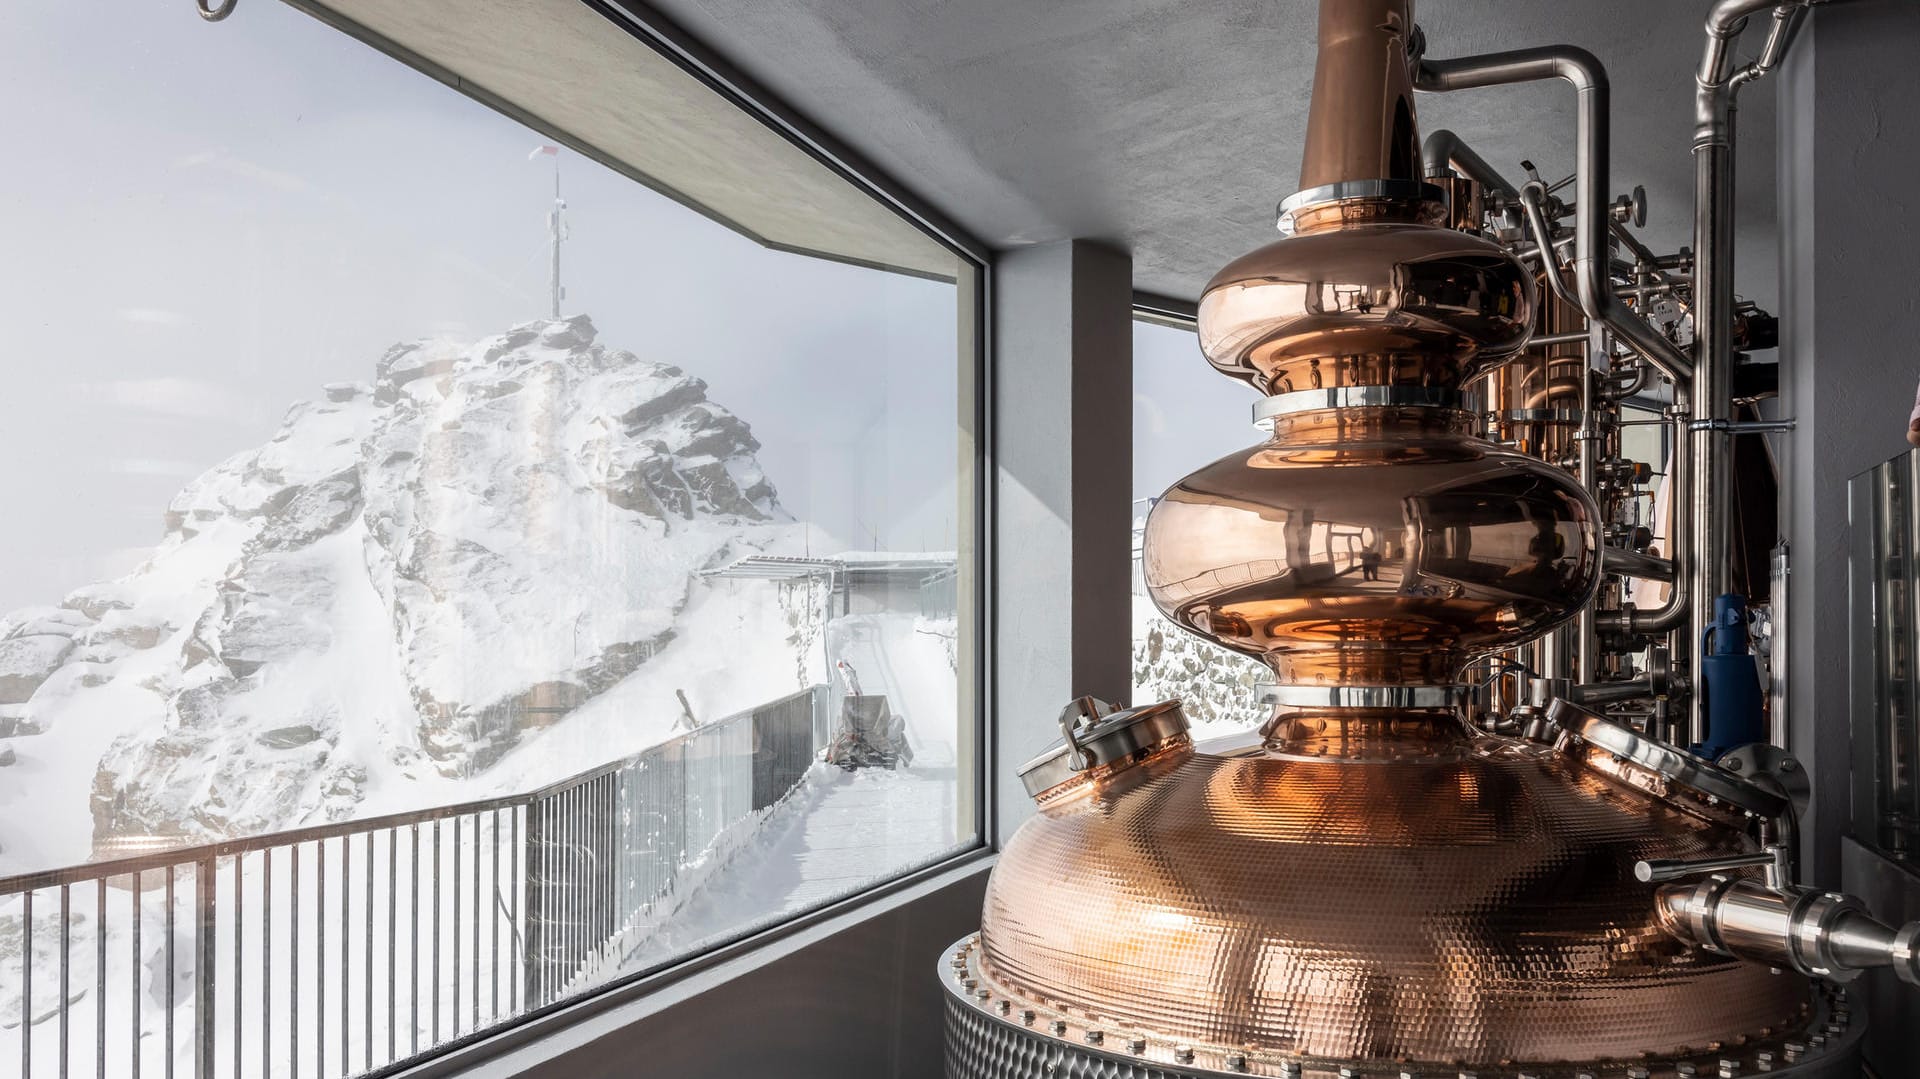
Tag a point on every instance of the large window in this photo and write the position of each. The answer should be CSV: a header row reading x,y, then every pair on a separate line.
x,y
466,549
1184,416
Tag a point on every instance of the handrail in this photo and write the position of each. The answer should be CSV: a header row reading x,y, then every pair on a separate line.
x,y
135,863
522,901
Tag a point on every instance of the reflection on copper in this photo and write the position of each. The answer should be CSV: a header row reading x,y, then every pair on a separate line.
x,y
1371,546
1361,124
1477,907
1534,399
1397,303
1372,884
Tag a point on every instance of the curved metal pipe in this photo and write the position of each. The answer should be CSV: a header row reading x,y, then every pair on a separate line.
x,y
1673,613
1591,266
1532,203
1632,563
1616,391
1444,149
1725,23
1716,92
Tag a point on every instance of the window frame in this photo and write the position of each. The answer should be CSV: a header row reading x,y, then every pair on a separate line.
x,y
739,955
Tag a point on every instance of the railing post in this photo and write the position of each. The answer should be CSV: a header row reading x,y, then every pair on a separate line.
x,y
203,937
533,951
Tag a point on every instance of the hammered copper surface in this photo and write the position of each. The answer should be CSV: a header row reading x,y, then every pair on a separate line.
x,y
1366,884
1471,902
1371,545
986,1042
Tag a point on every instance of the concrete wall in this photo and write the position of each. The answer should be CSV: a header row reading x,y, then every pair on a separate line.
x,y
856,1000
1063,399
1850,351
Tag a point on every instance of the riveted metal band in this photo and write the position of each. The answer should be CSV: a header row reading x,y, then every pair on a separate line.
x,y
993,1033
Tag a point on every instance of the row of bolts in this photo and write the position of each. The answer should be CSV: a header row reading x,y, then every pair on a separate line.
x,y
1729,1067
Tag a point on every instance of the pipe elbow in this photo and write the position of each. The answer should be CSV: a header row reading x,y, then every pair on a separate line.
x,y
1593,290
1436,154
1580,68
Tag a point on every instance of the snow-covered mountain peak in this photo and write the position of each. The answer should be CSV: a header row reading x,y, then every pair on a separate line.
x,y
410,575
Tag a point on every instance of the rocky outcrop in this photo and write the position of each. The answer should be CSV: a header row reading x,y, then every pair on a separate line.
x,y
1218,688
419,570
26,661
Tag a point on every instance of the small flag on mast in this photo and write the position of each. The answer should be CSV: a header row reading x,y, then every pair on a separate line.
x,y
550,151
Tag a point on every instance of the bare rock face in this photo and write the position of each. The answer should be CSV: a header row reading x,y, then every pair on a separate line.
x,y
423,568
27,661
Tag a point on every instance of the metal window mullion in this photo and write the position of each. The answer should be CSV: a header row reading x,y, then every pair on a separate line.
x,y
170,1016
320,958
266,962
346,953
434,972
453,1025
239,951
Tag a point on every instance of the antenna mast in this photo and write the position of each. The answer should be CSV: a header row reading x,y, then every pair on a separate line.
x,y
556,231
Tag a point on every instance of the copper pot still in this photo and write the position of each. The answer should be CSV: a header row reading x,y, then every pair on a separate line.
x,y
1365,885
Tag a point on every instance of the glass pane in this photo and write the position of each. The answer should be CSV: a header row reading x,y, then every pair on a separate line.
x,y
1884,511
1185,415
526,573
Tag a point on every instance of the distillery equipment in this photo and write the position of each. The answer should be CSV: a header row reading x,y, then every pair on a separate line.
x,y
1507,815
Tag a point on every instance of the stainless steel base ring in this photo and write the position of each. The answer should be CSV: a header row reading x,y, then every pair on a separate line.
x,y
994,1036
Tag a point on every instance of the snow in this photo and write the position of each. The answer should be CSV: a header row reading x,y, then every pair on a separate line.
x,y
475,576
833,834
1216,687
838,831
889,557
383,606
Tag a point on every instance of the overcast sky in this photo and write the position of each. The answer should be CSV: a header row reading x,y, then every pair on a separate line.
x,y
204,223
1185,414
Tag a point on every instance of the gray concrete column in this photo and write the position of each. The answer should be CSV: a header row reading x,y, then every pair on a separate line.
x,y
1063,407
1850,344
1850,355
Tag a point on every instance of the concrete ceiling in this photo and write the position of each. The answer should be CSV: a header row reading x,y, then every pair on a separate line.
x,y
1171,128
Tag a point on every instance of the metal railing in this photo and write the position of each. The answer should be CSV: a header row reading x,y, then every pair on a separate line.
x,y
341,948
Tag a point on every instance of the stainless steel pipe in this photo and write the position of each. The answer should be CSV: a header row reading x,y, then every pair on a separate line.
x,y
1586,642
1632,563
1822,934
1717,86
1588,77
1444,149
1592,266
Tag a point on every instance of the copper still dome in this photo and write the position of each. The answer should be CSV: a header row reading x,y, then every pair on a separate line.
x,y
1365,882
1346,892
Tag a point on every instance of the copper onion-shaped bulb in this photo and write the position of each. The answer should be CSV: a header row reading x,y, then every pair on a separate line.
x,y
1374,539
